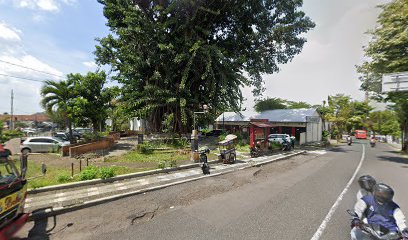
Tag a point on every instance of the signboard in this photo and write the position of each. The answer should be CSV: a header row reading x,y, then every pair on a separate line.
x,y
312,119
395,82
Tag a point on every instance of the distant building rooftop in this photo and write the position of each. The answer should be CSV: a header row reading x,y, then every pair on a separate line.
x,y
39,117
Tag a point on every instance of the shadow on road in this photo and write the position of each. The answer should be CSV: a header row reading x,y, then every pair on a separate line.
x,y
393,159
41,230
340,150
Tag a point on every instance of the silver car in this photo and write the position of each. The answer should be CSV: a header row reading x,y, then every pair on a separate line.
x,y
278,137
42,144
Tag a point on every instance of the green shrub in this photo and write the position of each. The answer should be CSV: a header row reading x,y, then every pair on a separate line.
x,y
90,172
106,172
144,148
162,164
325,135
276,145
92,136
64,178
180,142
173,163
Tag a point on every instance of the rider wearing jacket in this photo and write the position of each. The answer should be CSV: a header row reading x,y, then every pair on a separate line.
x,y
380,210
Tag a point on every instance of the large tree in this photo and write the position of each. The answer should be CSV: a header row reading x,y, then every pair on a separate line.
x,y
385,123
173,56
387,53
278,103
57,96
93,98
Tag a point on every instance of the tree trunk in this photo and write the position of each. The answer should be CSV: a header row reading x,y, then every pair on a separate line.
x,y
69,123
404,135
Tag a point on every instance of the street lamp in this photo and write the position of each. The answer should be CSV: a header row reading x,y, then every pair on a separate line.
x,y
205,108
194,135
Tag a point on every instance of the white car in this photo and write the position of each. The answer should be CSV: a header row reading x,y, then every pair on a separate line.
x,y
29,132
279,138
42,144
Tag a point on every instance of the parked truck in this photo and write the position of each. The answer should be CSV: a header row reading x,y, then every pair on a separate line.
x,y
13,193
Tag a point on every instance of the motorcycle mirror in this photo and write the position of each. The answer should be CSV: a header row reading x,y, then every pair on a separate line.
x,y
23,164
352,213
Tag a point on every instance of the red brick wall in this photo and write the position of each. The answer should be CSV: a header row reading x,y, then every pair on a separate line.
x,y
79,148
103,144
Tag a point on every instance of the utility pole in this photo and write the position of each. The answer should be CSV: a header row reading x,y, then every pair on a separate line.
x,y
12,117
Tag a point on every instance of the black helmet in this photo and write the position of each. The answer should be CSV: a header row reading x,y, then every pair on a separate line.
x,y
383,193
367,182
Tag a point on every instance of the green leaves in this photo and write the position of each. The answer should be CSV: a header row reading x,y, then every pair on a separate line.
x,y
195,52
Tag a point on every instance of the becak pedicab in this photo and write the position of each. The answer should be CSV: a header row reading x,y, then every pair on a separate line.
x,y
227,149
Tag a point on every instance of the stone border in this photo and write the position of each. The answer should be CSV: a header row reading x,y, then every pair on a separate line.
x,y
48,212
113,179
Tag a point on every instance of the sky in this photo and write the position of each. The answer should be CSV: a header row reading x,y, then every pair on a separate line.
x,y
58,37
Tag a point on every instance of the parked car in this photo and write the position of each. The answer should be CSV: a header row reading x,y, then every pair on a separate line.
x,y
29,132
42,144
279,138
78,133
61,135
83,131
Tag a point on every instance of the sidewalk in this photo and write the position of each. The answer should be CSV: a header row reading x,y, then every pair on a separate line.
x,y
59,201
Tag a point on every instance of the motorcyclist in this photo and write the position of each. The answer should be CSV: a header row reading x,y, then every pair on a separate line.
x,y
380,210
366,183
349,140
372,141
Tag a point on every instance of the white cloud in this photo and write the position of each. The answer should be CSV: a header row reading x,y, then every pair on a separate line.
x,y
90,64
43,5
38,18
47,5
27,93
8,33
326,65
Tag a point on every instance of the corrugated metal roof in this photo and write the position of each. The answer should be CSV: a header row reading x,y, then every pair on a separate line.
x,y
278,115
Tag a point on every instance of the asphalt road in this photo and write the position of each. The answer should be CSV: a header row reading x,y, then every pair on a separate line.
x,y
283,200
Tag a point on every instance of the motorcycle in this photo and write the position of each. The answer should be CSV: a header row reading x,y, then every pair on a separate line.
x,y
286,146
349,141
205,167
255,152
376,232
372,143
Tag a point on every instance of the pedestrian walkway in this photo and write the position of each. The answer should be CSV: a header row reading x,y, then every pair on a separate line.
x,y
79,195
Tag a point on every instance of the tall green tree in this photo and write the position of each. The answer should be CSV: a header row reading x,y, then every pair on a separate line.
x,y
172,57
387,53
278,103
92,99
270,104
57,96
385,123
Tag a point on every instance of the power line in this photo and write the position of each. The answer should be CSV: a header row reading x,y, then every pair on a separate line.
x,y
31,68
28,79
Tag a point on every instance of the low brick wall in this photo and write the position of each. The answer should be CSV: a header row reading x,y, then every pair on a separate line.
x,y
103,144
65,149
115,136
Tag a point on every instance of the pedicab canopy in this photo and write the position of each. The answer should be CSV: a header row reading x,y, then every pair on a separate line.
x,y
229,139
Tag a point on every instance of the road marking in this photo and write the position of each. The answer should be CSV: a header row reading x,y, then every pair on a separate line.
x,y
329,215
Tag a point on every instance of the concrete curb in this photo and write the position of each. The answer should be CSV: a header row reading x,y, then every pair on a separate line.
x,y
113,179
44,213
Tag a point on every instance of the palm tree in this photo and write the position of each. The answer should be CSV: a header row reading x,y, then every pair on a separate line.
x,y
56,96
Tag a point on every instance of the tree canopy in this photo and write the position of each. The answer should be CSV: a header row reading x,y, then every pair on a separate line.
x,y
80,99
171,56
278,103
387,53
